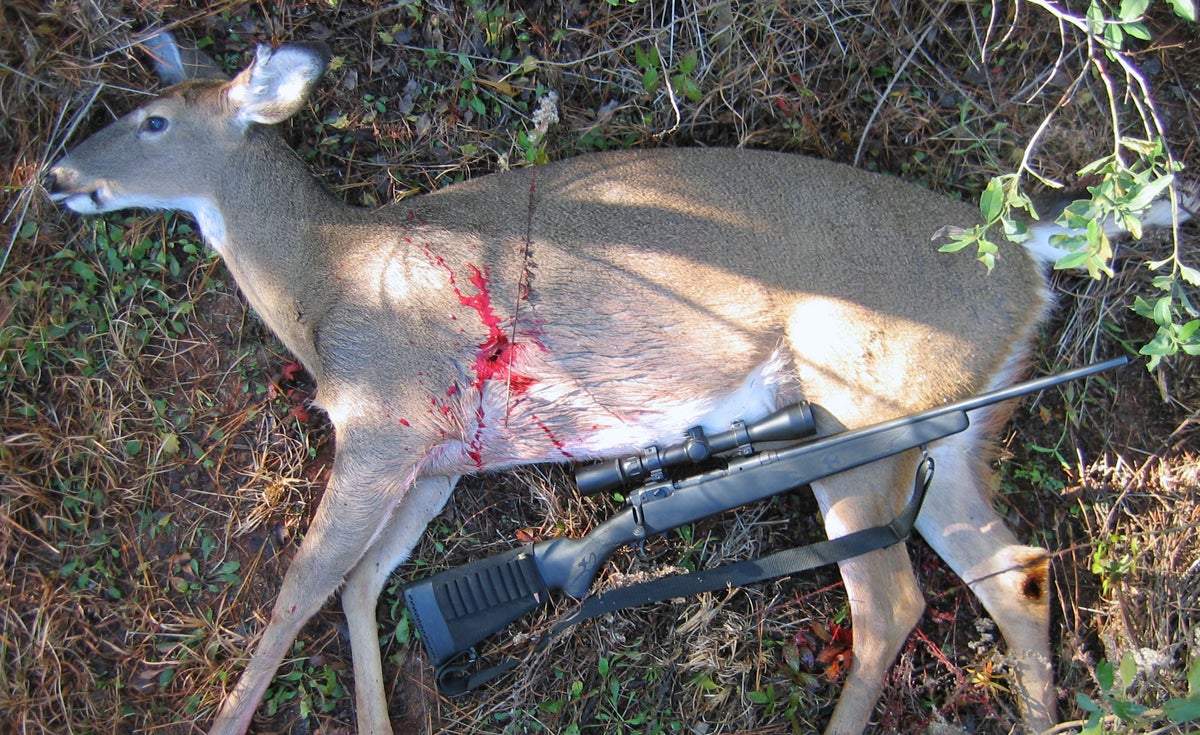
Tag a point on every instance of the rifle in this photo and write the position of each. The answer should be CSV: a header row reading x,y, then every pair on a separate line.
x,y
458,608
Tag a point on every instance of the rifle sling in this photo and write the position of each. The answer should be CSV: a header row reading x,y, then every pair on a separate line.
x,y
455,680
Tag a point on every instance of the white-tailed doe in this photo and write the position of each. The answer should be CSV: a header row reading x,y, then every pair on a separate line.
x,y
582,310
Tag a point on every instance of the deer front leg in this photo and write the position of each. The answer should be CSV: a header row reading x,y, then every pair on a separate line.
x,y
359,598
885,600
357,504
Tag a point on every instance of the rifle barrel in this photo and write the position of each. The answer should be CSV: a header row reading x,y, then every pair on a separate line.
x,y
976,402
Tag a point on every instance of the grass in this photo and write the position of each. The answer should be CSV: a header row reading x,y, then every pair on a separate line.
x,y
157,465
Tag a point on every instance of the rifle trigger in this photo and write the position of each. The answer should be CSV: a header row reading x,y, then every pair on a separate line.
x,y
925,470
644,555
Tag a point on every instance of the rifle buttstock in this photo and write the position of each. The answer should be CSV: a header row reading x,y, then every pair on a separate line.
x,y
460,607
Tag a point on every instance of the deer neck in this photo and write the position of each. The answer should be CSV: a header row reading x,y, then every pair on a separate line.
x,y
269,220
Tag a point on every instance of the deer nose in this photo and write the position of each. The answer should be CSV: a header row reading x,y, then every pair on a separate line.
x,y
62,181
59,180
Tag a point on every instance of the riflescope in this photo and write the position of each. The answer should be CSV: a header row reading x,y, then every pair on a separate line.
x,y
787,424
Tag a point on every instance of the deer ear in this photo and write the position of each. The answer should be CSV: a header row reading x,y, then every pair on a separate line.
x,y
175,63
278,83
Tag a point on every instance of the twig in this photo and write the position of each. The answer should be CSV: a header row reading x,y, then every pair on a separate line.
x,y
862,140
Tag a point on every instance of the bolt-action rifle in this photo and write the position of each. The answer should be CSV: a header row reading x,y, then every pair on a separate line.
x,y
456,609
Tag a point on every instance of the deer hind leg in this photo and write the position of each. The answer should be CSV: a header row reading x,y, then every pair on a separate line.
x,y
357,502
417,508
885,600
1010,579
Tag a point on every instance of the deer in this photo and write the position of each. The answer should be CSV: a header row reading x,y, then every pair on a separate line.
x,y
580,310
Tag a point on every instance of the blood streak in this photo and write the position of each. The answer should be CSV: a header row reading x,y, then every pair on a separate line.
x,y
496,353
475,449
493,357
553,439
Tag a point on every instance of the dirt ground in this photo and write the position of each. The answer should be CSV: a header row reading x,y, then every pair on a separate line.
x,y
159,461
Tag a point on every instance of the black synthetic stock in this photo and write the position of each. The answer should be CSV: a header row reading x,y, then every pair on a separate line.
x,y
457,608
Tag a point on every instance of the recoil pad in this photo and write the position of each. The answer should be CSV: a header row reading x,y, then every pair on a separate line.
x,y
460,607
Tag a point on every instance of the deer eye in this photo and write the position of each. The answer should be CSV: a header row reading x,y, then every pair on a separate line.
x,y
153,124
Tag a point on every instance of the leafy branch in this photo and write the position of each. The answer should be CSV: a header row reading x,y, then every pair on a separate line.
x,y
1139,173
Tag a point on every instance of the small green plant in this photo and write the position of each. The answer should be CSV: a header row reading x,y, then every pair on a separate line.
x,y
152,523
784,703
311,685
1044,478
683,80
498,25
1113,559
682,75
189,577
96,567
1175,316
1115,710
621,701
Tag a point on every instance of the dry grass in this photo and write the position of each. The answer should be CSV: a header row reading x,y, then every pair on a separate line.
x,y
155,473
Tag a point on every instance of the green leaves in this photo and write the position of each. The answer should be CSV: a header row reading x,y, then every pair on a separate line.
x,y
1126,189
1127,23
682,76
1185,9
649,62
682,82
312,686
1174,333
998,204
1113,559
1115,704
